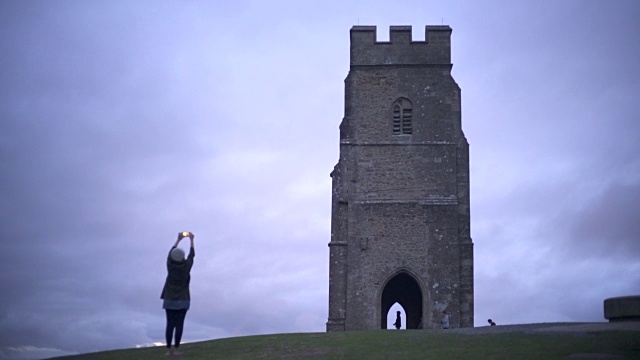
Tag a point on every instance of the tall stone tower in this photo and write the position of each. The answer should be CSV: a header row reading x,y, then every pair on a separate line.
x,y
400,203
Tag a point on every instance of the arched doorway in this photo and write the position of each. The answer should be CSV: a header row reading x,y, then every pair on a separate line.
x,y
404,290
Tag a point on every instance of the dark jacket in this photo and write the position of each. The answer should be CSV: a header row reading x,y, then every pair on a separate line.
x,y
176,287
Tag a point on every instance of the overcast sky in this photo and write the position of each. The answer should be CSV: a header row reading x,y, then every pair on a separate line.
x,y
123,123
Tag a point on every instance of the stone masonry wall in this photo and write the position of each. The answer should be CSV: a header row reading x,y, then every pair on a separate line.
x,y
386,237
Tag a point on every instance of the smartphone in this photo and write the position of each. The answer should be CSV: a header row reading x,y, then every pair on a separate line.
x,y
185,233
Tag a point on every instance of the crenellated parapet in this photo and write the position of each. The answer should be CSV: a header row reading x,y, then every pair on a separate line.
x,y
400,49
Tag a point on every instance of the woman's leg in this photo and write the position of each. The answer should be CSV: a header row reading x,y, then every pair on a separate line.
x,y
171,324
179,323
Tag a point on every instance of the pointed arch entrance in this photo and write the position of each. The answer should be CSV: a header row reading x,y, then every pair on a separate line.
x,y
404,290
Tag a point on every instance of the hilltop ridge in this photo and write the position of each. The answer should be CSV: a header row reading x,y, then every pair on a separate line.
x,y
522,341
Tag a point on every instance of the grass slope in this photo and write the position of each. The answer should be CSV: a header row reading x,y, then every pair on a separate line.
x,y
381,344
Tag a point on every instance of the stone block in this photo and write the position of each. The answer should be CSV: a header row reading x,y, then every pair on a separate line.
x,y
623,308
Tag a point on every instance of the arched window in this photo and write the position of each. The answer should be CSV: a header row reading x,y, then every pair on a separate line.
x,y
402,117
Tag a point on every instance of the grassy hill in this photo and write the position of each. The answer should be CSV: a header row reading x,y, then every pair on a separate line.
x,y
411,344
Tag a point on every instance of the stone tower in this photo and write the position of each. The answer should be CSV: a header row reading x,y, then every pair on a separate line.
x,y
400,203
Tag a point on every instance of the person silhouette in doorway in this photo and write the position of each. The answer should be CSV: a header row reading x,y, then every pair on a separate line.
x,y
398,322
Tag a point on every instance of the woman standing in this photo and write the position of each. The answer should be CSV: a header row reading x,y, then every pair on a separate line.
x,y
176,291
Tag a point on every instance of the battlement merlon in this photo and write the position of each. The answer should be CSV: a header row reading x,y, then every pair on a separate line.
x,y
400,49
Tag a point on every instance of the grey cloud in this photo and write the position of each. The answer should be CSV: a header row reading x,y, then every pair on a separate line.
x,y
608,225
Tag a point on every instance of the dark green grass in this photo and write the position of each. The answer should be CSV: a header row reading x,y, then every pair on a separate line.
x,y
381,344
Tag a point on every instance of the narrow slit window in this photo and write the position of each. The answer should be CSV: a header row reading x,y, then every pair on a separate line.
x,y
402,117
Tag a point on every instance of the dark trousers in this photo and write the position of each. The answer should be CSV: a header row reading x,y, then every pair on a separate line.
x,y
175,320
